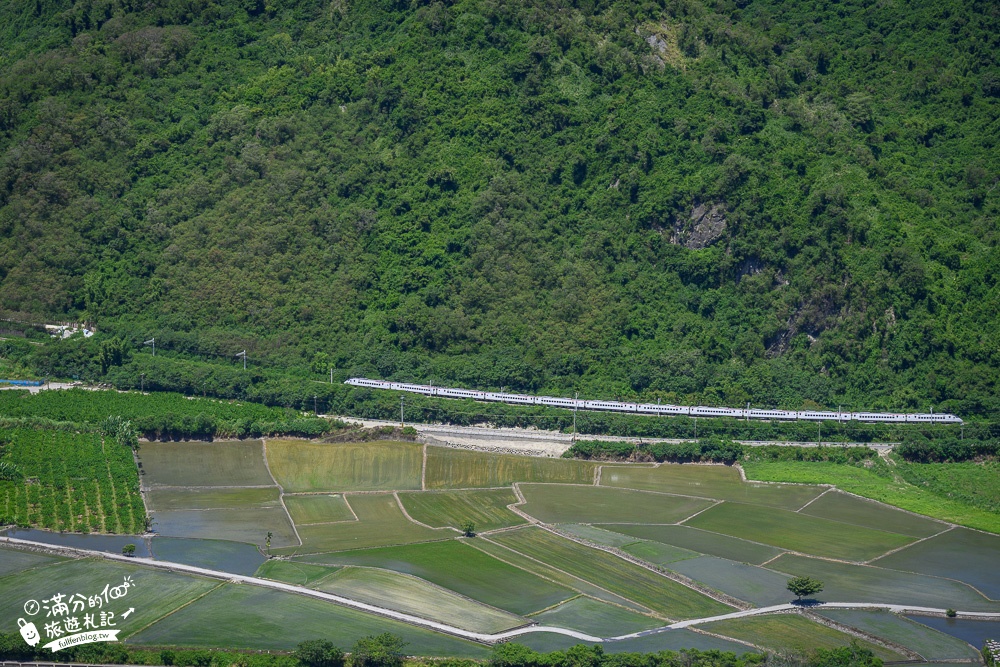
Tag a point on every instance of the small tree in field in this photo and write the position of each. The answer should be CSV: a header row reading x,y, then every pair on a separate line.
x,y
469,529
128,550
804,586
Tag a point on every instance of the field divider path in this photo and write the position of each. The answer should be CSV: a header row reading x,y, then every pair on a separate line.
x,y
521,500
715,504
815,499
281,491
480,637
423,468
907,546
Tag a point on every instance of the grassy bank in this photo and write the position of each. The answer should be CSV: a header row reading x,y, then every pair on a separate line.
x,y
880,482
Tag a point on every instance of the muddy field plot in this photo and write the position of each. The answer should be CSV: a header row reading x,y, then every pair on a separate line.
x,y
567,503
371,466
790,530
838,506
718,482
239,525
966,555
203,464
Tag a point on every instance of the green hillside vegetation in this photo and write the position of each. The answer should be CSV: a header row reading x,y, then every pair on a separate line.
x,y
787,203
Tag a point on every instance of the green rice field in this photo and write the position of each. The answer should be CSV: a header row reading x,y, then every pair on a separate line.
x,y
372,466
551,573
702,541
844,582
212,498
380,523
254,617
567,503
791,632
962,554
153,594
619,576
929,643
596,618
709,481
486,508
790,530
458,567
844,507
16,560
459,469
319,508
238,463
291,572
410,594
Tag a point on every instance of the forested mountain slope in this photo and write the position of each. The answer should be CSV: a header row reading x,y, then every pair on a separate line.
x,y
788,203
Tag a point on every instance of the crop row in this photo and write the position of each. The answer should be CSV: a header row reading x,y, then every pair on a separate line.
x,y
70,481
163,415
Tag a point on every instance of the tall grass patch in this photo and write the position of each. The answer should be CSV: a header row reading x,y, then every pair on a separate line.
x,y
458,469
372,466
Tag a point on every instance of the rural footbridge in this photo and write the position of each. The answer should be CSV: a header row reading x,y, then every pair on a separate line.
x,y
479,637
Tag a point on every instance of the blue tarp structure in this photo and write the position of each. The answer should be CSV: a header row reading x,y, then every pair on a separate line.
x,y
24,383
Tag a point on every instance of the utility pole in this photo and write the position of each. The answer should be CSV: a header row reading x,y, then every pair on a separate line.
x,y
819,432
402,422
151,341
575,402
315,411
142,381
331,374
244,355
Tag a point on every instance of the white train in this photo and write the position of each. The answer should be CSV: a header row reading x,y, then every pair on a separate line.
x,y
657,409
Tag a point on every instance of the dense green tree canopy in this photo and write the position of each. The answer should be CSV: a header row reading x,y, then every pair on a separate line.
x,y
789,203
